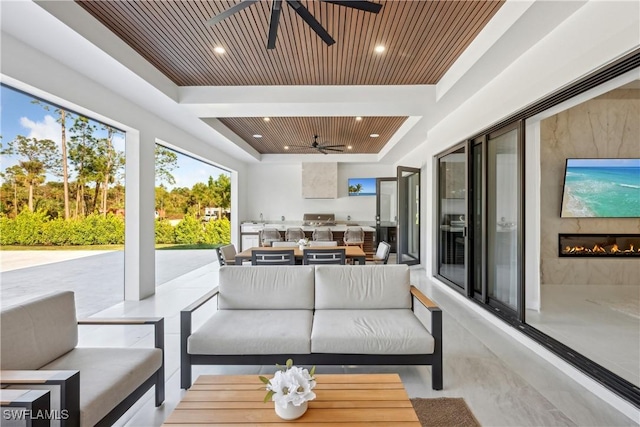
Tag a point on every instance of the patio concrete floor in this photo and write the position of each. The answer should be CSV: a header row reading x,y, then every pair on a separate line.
x,y
96,277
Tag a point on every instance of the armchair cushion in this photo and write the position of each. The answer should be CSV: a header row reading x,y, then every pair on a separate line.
x,y
37,331
253,332
363,287
107,375
369,332
266,288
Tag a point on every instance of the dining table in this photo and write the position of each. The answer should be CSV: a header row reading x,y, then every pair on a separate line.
x,y
354,253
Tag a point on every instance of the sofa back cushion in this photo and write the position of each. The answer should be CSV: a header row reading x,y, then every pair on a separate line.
x,y
266,288
362,287
38,331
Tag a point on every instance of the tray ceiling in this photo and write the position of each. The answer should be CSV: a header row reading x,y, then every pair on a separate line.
x,y
279,132
422,39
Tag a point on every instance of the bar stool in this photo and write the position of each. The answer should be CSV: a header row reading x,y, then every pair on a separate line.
x,y
354,236
322,234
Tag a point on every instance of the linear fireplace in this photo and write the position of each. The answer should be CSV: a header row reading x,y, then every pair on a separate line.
x,y
599,245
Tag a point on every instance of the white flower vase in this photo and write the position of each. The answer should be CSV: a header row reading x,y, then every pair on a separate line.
x,y
291,412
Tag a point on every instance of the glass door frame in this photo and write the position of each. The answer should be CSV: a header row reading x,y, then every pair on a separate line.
x,y
379,233
466,288
519,313
403,200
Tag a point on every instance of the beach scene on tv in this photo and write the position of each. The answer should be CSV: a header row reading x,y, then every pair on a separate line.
x,y
362,186
601,188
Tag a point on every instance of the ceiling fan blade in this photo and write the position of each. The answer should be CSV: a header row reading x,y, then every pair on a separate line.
x,y
233,9
311,21
367,6
332,149
276,8
322,151
334,146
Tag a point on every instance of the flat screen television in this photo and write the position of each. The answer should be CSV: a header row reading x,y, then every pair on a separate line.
x,y
362,186
601,188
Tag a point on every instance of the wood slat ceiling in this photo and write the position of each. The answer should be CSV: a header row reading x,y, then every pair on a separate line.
x,y
279,132
422,39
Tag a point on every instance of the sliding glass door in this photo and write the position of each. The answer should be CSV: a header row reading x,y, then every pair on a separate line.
x,y
503,218
452,225
480,219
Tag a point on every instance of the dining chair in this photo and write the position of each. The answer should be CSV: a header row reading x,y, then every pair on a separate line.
x,y
270,235
284,244
279,257
322,234
227,255
293,234
323,243
382,253
323,256
354,236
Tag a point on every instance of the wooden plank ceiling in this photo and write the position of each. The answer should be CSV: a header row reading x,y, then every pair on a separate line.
x,y
281,132
422,39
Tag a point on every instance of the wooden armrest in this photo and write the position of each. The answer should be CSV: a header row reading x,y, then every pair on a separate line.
x,y
157,322
68,381
200,301
35,376
430,305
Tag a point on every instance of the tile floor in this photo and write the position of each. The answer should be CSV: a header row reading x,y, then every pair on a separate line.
x,y
502,381
574,314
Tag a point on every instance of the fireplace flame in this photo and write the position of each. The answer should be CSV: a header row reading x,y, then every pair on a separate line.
x,y
598,249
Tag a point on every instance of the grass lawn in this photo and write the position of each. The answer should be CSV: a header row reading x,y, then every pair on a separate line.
x,y
102,247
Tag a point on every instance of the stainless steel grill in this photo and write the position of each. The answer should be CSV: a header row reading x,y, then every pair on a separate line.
x,y
319,219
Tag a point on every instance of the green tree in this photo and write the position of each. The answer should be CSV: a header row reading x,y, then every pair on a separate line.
x,y
39,156
82,153
63,115
166,161
108,162
14,176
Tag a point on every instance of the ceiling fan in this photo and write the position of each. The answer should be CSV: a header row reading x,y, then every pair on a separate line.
x,y
303,12
323,148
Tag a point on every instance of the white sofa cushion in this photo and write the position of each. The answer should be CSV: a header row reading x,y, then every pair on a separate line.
x,y
38,331
362,287
396,331
107,375
266,288
253,332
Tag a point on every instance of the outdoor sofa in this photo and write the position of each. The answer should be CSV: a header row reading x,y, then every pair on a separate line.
x,y
96,385
315,315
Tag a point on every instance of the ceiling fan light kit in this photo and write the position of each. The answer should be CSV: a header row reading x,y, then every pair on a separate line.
x,y
301,11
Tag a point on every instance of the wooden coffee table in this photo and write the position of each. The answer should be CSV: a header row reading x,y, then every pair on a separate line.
x,y
342,399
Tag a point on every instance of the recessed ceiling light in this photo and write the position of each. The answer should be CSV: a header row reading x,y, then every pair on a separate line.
x,y
266,119
286,147
379,48
349,147
219,49
358,118
257,135
374,135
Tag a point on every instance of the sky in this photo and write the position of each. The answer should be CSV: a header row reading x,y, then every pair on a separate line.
x,y
19,116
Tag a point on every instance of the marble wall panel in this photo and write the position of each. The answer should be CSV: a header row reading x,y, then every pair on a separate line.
x,y
607,126
319,180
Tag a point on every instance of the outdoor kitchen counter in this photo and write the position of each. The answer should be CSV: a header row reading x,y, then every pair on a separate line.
x,y
337,228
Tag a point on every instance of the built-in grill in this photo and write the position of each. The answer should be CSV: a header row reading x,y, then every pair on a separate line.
x,y
318,219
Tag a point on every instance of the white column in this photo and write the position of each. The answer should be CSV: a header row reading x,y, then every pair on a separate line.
x,y
139,249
